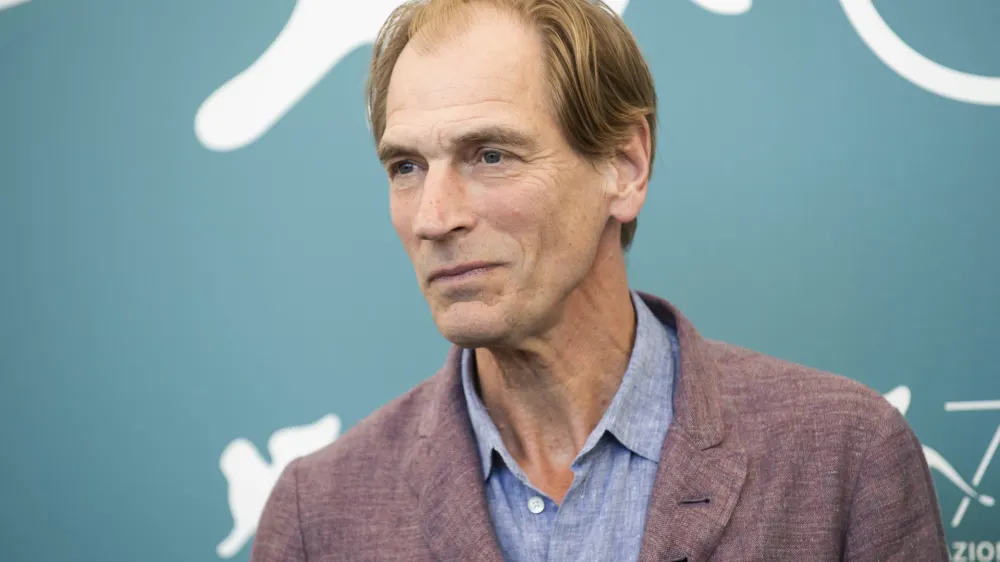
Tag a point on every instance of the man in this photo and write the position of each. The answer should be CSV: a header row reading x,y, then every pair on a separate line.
x,y
574,419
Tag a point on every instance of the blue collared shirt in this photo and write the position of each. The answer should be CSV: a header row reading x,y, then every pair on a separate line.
x,y
604,512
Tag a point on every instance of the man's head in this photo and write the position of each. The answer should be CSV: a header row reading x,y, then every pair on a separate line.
x,y
518,136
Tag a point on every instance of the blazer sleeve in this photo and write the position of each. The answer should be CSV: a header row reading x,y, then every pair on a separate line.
x,y
894,513
279,533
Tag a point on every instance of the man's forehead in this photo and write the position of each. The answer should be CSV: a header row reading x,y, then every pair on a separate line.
x,y
461,95
439,113
496,62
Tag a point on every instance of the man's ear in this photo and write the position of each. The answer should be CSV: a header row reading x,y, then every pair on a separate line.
x,y
631,167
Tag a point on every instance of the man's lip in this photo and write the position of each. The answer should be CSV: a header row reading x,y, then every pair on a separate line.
x,y
458,269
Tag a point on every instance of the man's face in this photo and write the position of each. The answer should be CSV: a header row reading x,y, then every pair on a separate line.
x,y
500,217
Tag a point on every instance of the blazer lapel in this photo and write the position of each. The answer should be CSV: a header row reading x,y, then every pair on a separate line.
x,y
700,474
693,498
446,473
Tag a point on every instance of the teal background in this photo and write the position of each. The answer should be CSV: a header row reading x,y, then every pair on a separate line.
x,y
158,299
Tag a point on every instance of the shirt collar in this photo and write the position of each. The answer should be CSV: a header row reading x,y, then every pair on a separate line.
x,y
487,435
640,412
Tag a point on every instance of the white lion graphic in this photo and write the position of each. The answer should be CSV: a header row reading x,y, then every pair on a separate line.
x,y
251,478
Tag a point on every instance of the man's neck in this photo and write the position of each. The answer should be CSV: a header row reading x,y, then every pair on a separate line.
x,y
547,395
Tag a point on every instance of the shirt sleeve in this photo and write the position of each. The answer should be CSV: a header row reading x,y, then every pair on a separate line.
x,y
279,533
894,513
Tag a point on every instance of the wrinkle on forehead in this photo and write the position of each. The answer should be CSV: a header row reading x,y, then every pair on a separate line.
x,y
434,138
505,94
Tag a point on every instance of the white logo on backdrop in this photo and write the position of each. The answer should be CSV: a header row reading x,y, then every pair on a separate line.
x,y
4,4
984,462
918,69
899,397
725,7
251,478
319,33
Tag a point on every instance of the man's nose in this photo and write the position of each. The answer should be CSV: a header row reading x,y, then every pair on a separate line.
x,y
443,207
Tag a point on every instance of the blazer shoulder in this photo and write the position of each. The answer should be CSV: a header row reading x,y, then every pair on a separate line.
x,y
325,502
753,382
376,442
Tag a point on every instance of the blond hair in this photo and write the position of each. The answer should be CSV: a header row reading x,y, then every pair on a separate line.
x,y
600,84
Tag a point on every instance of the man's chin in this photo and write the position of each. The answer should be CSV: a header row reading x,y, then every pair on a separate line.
x,y
471,324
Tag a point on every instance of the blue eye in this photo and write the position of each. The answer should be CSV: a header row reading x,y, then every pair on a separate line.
x,y
404,167
492,156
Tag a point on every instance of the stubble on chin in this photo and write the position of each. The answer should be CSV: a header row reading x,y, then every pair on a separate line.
x,y
471,323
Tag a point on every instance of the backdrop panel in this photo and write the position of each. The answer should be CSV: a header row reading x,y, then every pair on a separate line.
x,y
200,281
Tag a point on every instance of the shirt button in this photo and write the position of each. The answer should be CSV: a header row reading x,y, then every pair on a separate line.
x,y
536,505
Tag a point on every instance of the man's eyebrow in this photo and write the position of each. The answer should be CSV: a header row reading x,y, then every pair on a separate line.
x,y
389,151
497,135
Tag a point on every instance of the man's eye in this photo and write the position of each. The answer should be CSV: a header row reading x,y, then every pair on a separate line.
x,y
491,156
404,167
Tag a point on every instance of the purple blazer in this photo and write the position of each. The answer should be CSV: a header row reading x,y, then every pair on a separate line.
x,y
765,460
